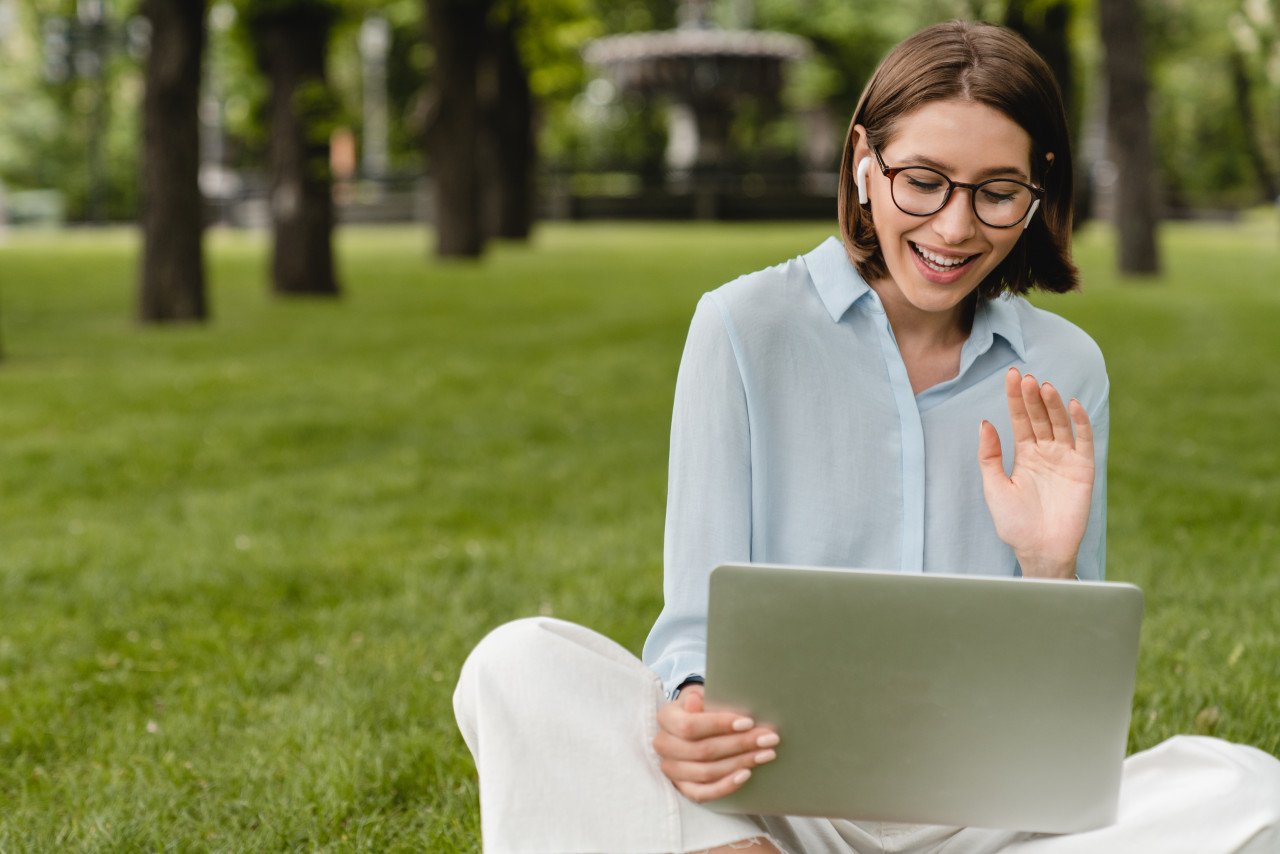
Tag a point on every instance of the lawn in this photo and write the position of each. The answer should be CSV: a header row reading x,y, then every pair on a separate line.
x,y
241,564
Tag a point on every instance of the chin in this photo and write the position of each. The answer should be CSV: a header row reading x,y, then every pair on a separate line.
x,y
926,293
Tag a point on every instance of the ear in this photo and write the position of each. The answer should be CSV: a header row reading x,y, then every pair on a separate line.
x,y
861,148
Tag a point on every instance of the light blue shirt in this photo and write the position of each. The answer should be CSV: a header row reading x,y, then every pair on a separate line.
x,y
796,439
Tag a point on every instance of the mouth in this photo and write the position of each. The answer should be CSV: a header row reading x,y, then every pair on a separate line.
x,y
940,268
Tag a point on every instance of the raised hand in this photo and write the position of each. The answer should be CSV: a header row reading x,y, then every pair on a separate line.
x,y
1042,507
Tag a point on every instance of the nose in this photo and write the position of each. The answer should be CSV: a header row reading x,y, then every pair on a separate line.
x,y
956,222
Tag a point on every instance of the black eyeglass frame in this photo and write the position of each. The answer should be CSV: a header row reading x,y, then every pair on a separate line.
x,y
1036,192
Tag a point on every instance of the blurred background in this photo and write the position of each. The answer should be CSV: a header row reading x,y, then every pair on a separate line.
x,y
483,117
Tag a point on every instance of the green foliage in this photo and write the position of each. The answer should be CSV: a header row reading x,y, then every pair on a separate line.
x,y
1201,141
46,127
1200,138
552,35
243,564
848,42
240,86
27,112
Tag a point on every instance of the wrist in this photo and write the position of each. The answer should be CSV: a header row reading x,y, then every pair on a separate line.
x,y
689,680
1040,567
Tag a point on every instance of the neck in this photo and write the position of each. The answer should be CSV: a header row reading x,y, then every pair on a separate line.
x,y
929,342
926,330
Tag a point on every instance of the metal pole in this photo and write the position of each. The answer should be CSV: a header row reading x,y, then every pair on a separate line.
x,y
375,41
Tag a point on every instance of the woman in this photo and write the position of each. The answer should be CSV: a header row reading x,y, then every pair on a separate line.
x,y
845,409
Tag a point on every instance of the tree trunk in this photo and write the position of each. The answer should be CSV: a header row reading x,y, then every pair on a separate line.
x,y
291,44
172,283
457,30
509,139
1129,129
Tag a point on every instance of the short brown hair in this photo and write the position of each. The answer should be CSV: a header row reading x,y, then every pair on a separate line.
x,y
989,65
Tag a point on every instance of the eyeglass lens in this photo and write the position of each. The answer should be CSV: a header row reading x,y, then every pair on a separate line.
x,y
922,191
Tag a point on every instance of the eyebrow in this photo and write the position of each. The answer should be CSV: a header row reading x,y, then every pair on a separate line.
x,y
984,174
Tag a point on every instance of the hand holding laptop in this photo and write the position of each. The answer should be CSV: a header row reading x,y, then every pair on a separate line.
x,y
709,754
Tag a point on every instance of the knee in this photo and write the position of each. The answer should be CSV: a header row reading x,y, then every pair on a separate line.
x,y
1248,778
520,660
511,646
501,654
505,648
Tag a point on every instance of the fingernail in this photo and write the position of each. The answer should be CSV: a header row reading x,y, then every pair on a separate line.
x,y
742,776
769,739
743,724
765,756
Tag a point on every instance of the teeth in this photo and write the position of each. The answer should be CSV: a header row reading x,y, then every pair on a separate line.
x,y
939,260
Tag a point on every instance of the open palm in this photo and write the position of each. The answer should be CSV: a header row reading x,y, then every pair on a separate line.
x,y
1040,509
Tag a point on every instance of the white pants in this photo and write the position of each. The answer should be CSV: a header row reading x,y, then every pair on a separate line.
x,y
560,721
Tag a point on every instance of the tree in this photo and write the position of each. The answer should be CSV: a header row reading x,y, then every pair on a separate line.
x,y
1129,131
507,126
172,281
290,41
458,32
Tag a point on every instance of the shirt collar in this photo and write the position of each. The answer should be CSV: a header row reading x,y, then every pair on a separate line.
x,y
1000,317
839,286
835,278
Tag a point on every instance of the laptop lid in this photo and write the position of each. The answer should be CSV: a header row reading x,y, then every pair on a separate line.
x,y
959,700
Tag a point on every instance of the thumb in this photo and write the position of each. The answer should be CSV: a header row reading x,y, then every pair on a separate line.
x,y
692,697
990,460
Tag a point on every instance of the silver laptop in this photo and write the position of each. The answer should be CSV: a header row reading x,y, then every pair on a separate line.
x,y
938,699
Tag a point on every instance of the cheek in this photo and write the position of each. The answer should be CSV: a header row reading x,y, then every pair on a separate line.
x,y
1007,241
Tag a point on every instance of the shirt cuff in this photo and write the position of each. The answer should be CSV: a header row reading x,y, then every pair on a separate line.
x,y
691,679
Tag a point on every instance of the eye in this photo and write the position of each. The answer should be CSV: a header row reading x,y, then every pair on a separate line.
x,y
923,182
1002,193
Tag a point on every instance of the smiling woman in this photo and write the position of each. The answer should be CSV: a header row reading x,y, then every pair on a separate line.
x,y
845,409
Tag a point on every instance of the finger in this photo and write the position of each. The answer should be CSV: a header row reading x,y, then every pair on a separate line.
x,y
703,792
1036,411
678,720
1084,430
1057,414
715,748
990,459
692,699
1022,431
710,772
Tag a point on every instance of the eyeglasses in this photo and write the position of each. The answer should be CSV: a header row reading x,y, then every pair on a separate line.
x,y
921,191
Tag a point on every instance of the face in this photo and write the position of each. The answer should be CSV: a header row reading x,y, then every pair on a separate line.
x,y
936,261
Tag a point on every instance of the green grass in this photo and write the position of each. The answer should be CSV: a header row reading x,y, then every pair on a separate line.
x,y
241,564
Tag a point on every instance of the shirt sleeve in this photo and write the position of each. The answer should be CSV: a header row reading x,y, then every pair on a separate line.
x,y
1091,563
708,492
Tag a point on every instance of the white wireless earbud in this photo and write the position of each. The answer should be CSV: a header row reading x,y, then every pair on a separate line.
x,y
863,165
1026,220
